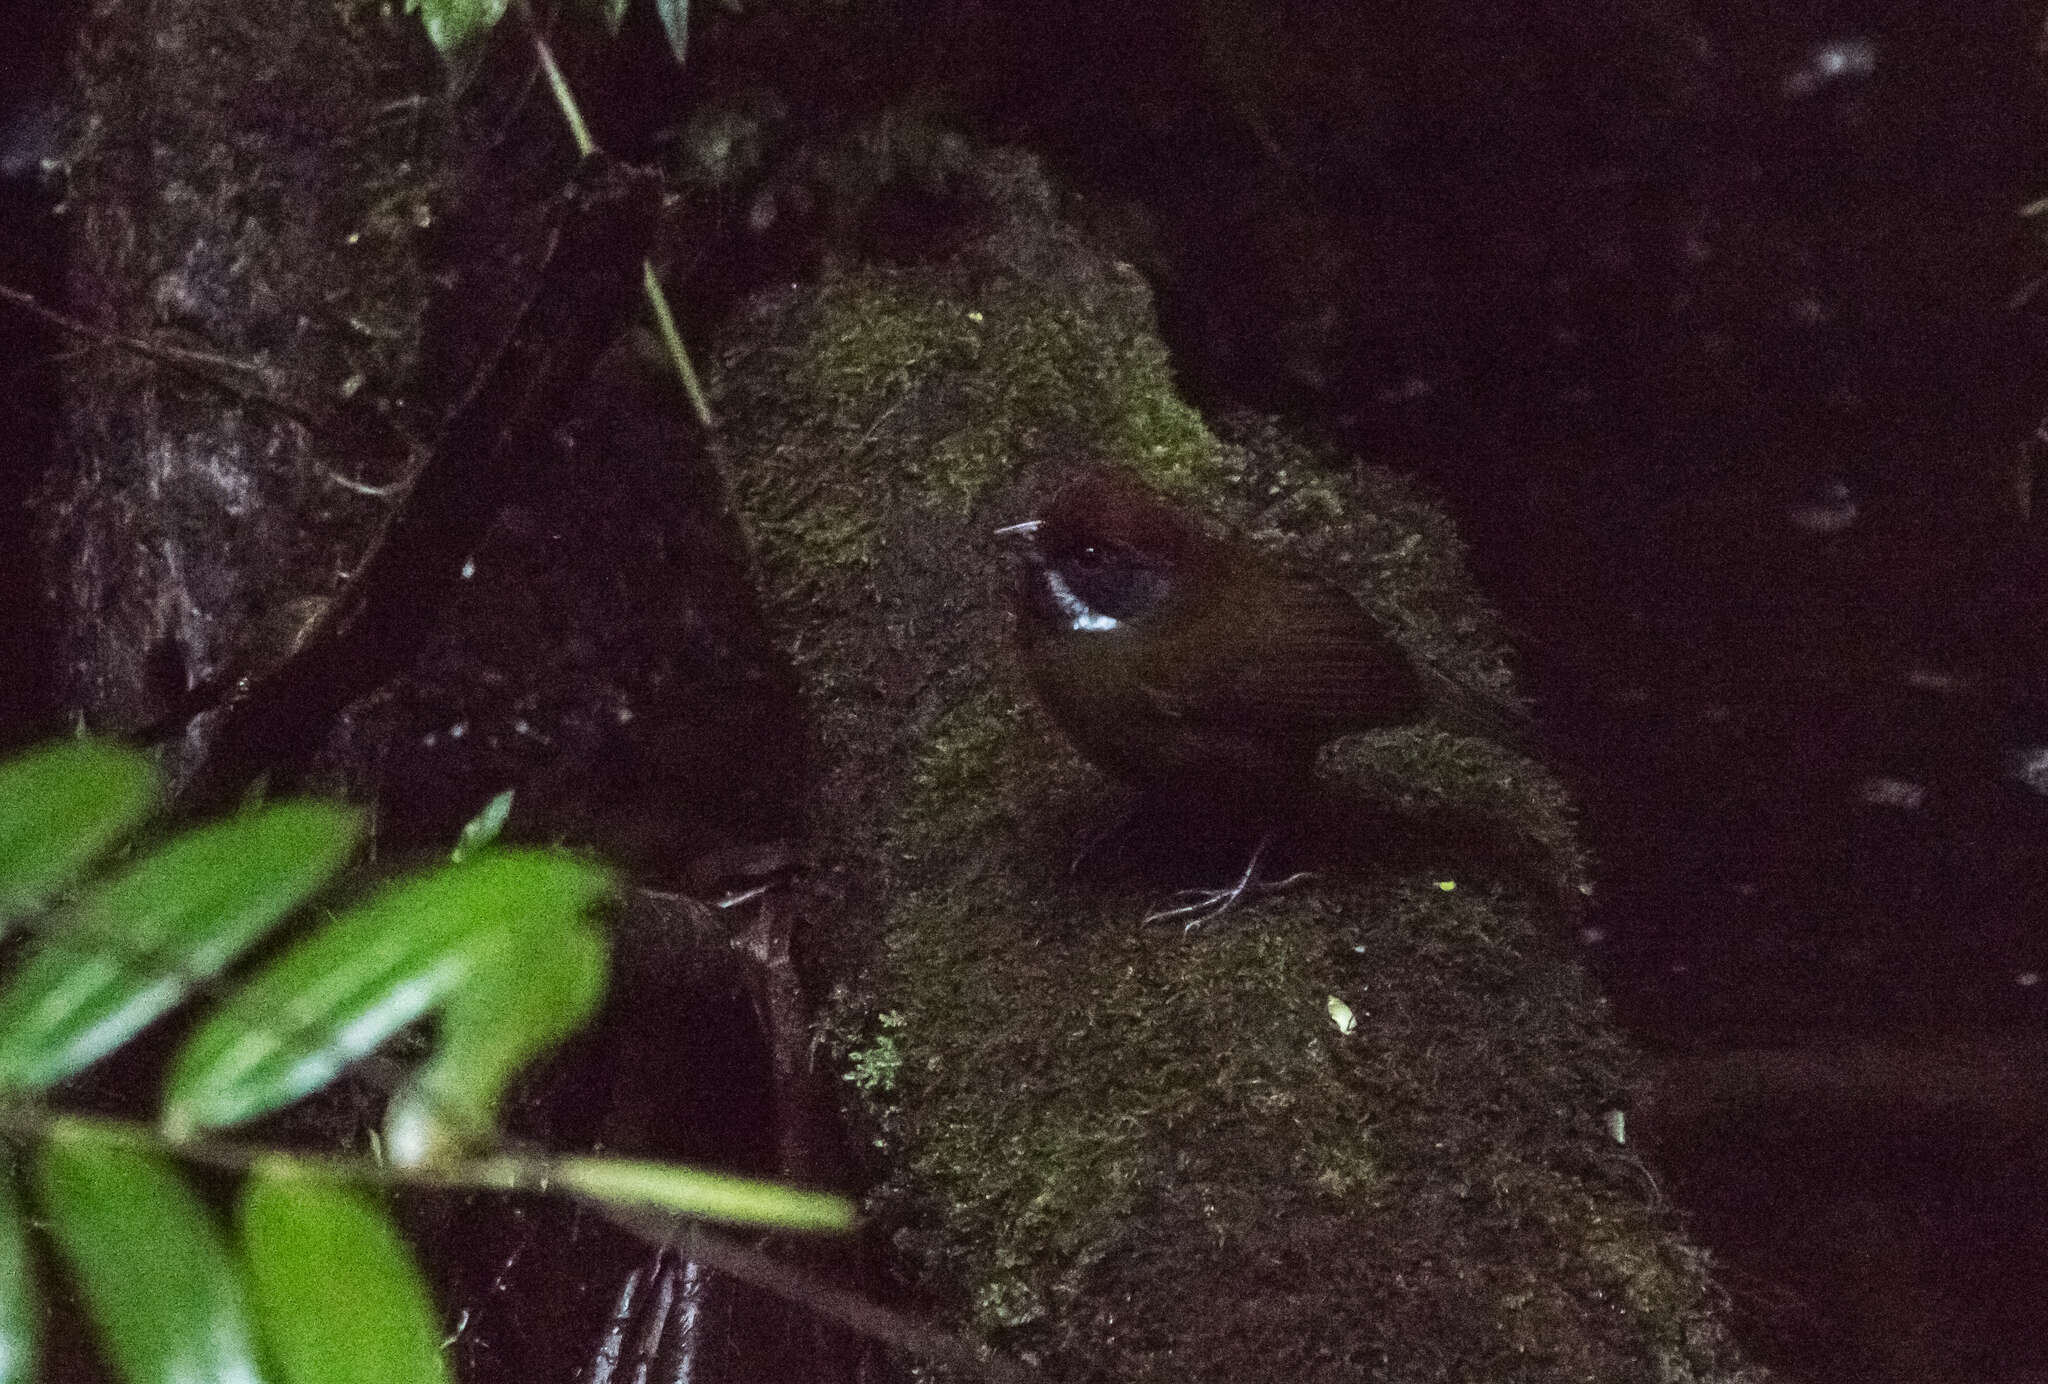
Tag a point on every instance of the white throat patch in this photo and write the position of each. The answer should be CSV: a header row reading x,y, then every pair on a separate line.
x,y
1080,615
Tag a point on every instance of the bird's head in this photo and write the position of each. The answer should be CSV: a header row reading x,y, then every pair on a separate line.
x,y
1104,555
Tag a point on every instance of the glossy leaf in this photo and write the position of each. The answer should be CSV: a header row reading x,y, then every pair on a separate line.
x,y
339,1298
20,1316
382,964
454,24
165,1296
675,22
535,986
60,806
137,944
703,1195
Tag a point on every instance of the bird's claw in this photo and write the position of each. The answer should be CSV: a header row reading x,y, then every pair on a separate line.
x,y
1204,904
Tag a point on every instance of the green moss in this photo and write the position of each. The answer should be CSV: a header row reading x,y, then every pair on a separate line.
x,y
957,798
889,357
1065,1082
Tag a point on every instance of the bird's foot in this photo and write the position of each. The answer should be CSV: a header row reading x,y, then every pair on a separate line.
x,y
1199,906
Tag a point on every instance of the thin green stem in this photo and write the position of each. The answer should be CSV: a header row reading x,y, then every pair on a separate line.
x,y
512,1173
629,1182
672,342
657,301
565,99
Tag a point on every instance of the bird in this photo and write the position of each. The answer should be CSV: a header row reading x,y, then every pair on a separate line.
x,y
1186,662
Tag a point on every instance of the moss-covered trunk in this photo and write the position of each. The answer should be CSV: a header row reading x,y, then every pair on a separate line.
x,y
1111,1148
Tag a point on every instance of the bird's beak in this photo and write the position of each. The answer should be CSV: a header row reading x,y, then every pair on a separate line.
x,y
1020,533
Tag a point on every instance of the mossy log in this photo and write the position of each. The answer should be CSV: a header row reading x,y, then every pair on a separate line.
x,y
1117,1151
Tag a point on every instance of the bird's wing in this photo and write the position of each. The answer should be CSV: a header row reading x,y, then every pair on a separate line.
x,y
1301,658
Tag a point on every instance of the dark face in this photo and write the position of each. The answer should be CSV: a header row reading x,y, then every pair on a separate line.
x,y
1105,555
1095,582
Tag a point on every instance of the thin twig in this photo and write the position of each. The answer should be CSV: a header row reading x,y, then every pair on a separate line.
x,y
204,366
858,1314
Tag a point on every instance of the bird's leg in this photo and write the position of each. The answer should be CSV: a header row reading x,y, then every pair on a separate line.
x,y
1204,904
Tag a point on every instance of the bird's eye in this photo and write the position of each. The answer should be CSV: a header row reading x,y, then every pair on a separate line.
x,y
1113,579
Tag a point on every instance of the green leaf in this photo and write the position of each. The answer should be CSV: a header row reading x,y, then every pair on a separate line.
x,y
60,806
337,995
482,829
675,22
539,984
164,1294
703,1195
20,1319
453,24
136,945
338,1295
